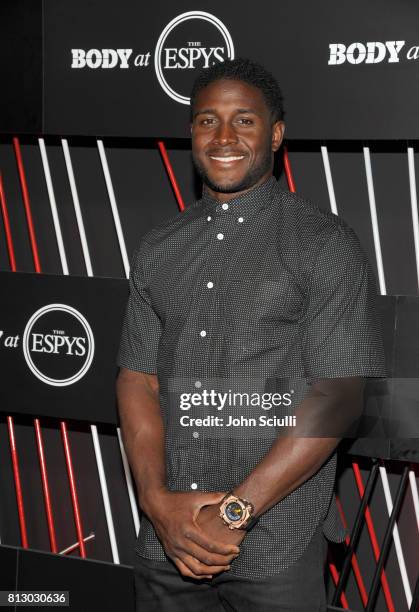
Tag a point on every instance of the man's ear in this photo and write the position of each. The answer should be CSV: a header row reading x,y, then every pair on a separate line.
x,y
278,130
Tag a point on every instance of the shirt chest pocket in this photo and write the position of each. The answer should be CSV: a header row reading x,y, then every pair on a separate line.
x,y
271,290
276,299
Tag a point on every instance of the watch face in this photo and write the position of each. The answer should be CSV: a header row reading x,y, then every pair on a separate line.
x,y
234,511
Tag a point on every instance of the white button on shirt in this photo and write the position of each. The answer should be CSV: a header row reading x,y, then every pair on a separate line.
x,y
203,333
210,285
220,236
194,485
209,218
224,206
240,219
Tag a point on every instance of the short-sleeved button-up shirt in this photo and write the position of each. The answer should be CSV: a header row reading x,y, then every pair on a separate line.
x,y
237,296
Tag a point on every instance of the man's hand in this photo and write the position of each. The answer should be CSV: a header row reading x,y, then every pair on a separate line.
x,y
209,520
195,552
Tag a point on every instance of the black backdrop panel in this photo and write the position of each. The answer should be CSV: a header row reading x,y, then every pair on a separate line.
x,y
91,585
129,79
21,65
58,342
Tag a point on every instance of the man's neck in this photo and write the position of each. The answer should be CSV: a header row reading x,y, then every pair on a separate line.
x,y
225,197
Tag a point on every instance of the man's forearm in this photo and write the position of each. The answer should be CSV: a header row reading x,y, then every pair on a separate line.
x,y
293,459
289,463
142,431
172,513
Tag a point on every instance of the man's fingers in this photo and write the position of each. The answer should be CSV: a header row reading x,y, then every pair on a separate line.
x,y
204,556
198,536
200,569
206,499
185,571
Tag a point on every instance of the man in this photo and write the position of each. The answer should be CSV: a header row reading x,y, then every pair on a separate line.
x,y
250,290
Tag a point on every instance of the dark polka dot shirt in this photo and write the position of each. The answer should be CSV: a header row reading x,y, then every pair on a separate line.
x,y
262,293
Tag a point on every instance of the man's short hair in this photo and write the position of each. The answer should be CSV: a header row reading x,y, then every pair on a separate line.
x,y
248,71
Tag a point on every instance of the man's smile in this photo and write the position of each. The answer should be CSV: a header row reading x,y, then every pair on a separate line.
x,y
227,159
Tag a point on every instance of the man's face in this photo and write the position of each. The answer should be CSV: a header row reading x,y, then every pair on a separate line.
x,y
233,138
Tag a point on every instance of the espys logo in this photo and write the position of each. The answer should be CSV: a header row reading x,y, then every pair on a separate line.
x,y
190,42
180,49
58,345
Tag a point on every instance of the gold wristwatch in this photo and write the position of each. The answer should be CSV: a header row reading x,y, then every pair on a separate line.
x,y
237,513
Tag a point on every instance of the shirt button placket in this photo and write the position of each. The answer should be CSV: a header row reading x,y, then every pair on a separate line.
x,y
213,262
209,284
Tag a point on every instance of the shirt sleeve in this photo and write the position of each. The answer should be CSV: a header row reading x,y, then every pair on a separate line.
x,y
342,329
142,328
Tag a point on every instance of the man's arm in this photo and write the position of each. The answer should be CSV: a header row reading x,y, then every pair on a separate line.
x,y
328,409
142,430
339,334
295,457
173,514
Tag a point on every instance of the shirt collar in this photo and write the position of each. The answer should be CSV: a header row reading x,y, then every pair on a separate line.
x,y
253,200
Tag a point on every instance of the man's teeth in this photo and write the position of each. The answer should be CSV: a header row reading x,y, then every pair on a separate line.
x,y
228,159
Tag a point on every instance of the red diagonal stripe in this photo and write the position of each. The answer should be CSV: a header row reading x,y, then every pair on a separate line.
x,y
288,172
171,175
7,230
373,537
73,489
27,205
18,486
354,560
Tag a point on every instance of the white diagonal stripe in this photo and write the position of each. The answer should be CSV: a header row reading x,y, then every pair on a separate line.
x,y
396,537
414,489
414,205
77,208
373,212
129,482
53,206
105,494
329,180
114,206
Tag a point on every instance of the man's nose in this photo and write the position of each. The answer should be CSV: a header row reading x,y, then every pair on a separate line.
x,y
225,133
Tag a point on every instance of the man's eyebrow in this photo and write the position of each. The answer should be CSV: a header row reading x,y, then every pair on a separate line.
x,y
212,111
246,111
205,111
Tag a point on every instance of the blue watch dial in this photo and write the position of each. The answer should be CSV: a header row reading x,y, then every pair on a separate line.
x,y
234,511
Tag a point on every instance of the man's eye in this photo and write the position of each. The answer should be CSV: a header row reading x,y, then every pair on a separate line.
x,y
207,121
245,121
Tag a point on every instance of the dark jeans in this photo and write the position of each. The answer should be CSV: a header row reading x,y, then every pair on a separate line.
x,y
300,588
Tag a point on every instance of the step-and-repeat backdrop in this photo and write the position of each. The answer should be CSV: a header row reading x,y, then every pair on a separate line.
x,y
348,70
85,70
